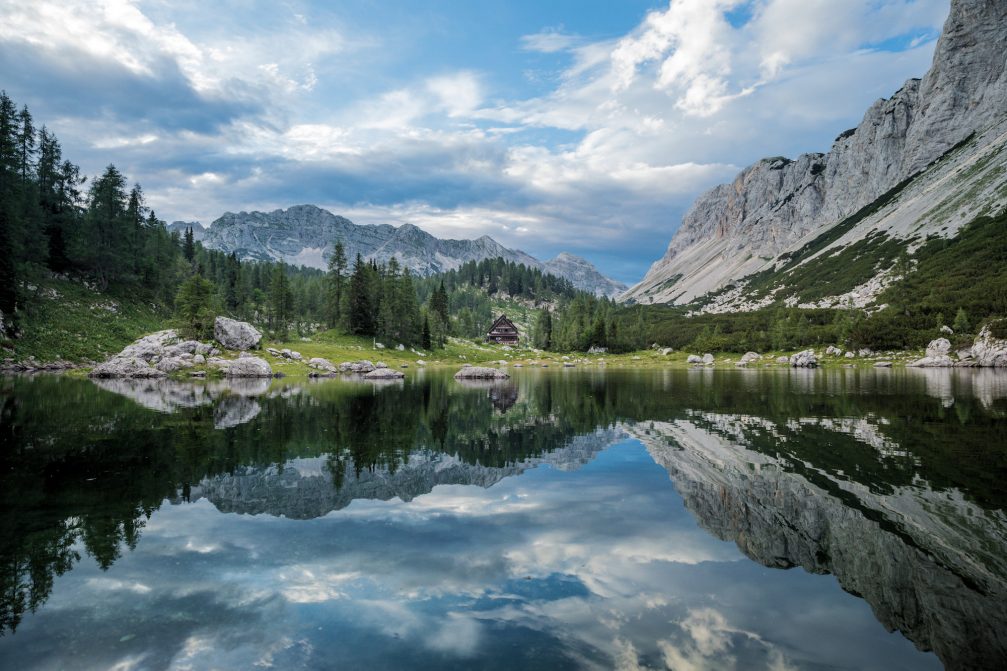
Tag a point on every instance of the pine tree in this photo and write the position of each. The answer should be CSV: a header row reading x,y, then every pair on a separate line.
x,y
361,315
543,330
961,323
280,301
193,308
425,342
189,245
337,271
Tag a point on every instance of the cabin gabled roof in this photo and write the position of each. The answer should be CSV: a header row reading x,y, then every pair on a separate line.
x,y
502,321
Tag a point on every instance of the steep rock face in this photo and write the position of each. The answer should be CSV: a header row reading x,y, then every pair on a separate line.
x,y
305,235
583,275
929,563
737,229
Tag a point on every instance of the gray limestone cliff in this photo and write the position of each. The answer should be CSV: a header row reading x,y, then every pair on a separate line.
x,y
583,275
740,228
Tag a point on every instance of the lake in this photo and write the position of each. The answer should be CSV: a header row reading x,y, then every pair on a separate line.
x,y
686,519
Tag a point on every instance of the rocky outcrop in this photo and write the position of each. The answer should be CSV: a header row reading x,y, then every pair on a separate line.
x,y
988,350
773,206
481,373
362,366
232,334
126,366
156,355
384,374
805,359
937,355
248,366
318,363
304,235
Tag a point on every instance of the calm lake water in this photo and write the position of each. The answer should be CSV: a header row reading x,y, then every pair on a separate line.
x,y
563,519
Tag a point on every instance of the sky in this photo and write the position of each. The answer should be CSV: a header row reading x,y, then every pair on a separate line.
x,y
586,126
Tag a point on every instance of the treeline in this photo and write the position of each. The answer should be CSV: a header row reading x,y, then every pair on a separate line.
x,y
105,235
586,321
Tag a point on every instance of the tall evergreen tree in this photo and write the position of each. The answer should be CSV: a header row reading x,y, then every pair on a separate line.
x,y
189,245
281,301
337,272
361,315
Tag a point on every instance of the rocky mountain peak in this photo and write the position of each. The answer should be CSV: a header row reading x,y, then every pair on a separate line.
x,y
737,229
305,235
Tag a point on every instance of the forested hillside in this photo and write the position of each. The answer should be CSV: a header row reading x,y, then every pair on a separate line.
x,y
88,267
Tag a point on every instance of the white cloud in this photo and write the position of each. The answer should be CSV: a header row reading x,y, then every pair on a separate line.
x,y
549,41
632,130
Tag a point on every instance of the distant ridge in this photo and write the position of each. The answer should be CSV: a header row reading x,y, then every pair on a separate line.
x,y
305,234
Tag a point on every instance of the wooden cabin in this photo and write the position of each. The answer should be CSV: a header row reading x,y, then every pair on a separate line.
x,y
503,332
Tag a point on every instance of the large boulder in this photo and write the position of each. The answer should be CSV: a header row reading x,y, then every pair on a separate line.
x,y
805,359
170,364
248,366
481,373
832,350
750,357
708,358
319,363
384,374
988,350
151,346
362,366
939,347
232,334
694,358
937,355
126,366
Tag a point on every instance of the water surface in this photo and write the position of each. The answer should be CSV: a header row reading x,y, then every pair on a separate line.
x,y
563,519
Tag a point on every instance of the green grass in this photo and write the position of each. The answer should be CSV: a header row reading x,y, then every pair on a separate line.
x,y
66,320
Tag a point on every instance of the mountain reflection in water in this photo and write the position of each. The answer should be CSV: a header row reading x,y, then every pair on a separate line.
x,y
891,481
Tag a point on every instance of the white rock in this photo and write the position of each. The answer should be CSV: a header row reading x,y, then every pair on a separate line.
x,y
249,366
938,348
384,374
989,351
479,372
232,334
832,350
749,357
694,358
126,366
849,355
707,358
805,359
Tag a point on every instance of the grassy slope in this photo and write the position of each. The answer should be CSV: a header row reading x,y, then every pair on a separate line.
x,y
66,320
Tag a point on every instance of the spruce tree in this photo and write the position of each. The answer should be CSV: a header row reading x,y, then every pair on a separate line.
x,y
193,308
361,315
337,271
189,245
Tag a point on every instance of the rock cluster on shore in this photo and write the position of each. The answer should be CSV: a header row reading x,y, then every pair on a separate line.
x,y
161,353
987,351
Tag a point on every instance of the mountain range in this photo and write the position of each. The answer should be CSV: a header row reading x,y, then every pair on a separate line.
x,y
922,163
305,234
